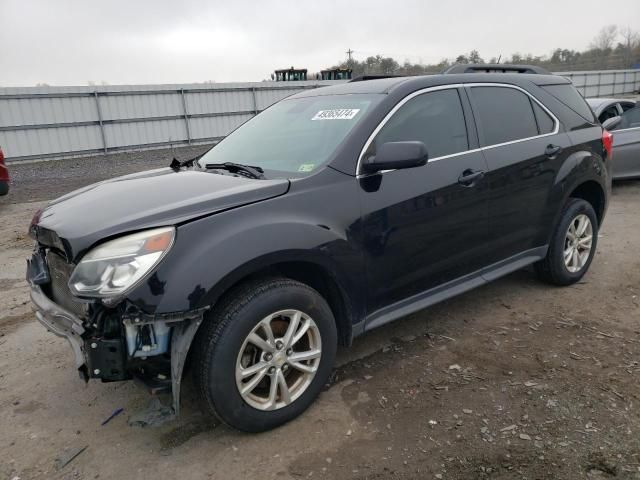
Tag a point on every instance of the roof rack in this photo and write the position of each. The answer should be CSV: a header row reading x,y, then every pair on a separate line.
x,y
363,78
496,68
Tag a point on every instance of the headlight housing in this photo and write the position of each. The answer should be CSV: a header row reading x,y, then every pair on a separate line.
x,y
115,266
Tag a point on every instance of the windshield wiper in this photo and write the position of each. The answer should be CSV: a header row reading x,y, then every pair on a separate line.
x,y
243,170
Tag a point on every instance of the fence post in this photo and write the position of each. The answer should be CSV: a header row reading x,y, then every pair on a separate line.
x,y
599,83
255,101
104,138
186,116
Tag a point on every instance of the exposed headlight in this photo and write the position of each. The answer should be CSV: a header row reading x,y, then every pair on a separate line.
x,y
113,267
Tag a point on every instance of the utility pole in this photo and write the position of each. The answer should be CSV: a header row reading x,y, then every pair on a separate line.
x,y
349,52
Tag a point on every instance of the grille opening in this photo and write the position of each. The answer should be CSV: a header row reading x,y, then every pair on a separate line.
x,y
58,291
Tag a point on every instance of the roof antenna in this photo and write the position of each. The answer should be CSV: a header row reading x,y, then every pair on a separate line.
x,y
499,57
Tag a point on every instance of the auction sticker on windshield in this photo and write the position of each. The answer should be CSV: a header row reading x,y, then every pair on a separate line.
x,y
336,114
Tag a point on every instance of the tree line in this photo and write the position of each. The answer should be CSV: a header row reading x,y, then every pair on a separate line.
x,y
613,47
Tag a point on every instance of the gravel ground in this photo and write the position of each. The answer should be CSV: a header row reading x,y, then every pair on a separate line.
x,y
45,180
512,380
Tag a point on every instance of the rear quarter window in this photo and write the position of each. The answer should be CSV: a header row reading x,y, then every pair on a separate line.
x,y
568,95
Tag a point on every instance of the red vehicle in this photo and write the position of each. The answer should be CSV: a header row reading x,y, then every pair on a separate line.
x,y
4,175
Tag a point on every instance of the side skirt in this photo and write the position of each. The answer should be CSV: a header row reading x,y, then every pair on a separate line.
x,y
450,289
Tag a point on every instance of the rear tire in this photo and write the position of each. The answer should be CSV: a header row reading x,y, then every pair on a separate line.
x,y
265,353
572,245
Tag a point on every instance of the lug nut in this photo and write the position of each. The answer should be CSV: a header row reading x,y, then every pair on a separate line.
x,y
289,352
268,357
279,345
272,370
285,368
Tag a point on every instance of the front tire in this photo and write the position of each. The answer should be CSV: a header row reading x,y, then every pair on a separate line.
x,y
572,245
265,353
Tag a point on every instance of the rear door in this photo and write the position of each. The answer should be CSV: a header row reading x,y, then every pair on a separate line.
x,y
523,149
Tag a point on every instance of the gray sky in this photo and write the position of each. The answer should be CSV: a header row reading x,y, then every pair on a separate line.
x,y
71,42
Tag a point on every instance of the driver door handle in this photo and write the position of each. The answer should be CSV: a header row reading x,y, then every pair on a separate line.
x,y
470,177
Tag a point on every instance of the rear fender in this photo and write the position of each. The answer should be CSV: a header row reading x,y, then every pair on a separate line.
x,y
581,167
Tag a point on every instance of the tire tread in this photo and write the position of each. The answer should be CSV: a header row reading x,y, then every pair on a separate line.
x,y
222,315
549,269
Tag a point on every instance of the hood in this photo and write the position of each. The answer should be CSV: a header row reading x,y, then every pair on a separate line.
x,y
148,199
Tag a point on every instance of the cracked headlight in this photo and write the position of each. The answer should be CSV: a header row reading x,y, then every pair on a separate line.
x,y
115,266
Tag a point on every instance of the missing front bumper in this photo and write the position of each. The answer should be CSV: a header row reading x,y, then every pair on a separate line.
x,y
61,322
65,324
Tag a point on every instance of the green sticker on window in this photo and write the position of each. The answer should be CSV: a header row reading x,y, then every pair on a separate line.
x,y
306,167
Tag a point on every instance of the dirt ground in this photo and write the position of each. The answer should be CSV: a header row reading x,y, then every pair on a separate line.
x,y
515,380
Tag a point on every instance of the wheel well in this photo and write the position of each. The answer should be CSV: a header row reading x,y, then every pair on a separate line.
x,y
591,192
319,279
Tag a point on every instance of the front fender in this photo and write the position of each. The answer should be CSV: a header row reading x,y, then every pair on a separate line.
x,y
213,253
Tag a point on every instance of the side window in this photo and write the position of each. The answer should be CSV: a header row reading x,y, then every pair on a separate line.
x,y
435,118
630,119
627,106
503,115
544,121
608,113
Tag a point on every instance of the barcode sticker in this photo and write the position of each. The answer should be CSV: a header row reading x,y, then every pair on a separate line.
x,y
336,114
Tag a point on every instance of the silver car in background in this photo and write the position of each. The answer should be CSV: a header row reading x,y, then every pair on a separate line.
x,y
626,133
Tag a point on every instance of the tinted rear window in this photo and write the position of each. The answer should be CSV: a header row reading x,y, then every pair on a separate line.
x,y
568,95
504,114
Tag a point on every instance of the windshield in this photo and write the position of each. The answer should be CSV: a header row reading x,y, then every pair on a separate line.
x,y
293,137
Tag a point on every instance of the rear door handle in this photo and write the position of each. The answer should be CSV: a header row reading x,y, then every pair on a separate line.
x,y
552,150
470,177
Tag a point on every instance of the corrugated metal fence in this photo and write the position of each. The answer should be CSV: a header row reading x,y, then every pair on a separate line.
x,y
604,83
41,122
44,122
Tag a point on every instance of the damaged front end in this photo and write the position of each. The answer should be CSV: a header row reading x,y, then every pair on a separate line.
x,y
111,338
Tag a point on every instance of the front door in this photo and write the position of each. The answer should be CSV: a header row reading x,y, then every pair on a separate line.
x,y
424,226
626,144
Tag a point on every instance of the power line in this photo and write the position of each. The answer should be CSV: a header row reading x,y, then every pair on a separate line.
x,y
349,52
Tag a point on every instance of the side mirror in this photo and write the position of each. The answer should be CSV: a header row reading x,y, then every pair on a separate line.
x,y
611,123
395,155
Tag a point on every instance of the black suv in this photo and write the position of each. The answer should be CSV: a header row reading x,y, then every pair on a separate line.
x,y
333,212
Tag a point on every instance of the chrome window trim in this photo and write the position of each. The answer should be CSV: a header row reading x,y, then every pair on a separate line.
x,y
447,87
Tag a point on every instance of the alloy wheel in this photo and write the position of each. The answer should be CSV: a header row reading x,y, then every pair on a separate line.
x,y
278,360
577,243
